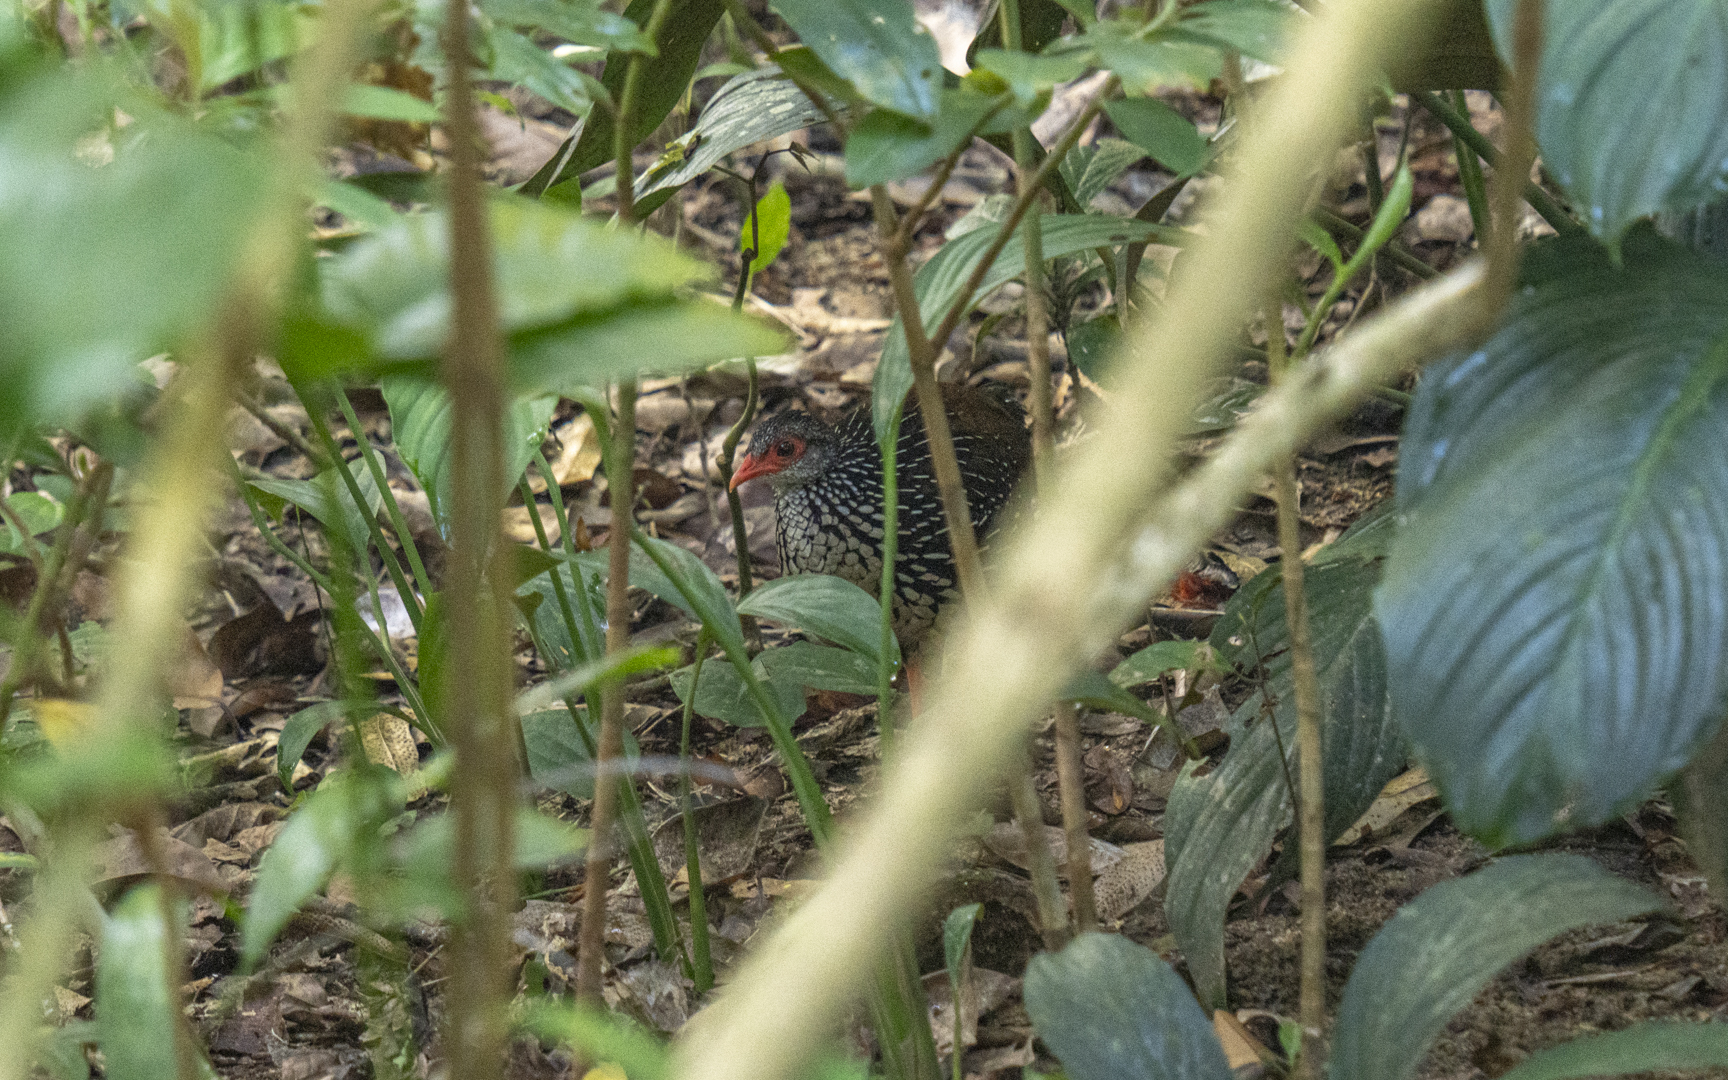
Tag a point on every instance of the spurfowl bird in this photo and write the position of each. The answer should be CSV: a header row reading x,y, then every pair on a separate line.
x,y
828,495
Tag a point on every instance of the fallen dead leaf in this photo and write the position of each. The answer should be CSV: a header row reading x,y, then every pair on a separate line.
x,y
1404,791
1123,887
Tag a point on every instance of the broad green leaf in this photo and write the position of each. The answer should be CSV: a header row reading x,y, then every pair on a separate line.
x,y
1092,345
420,415
668,337
1147,65
1030,75
723,695
1109,1008
357,205
518,60
1256,28
1220,826
602,1036
665,75
748,109
236,39
1550,605
827,606
580,22
1091,169
887,145
552,267
1630,104
120,242
805,665
548,617
1437,951
1154,127
1647,1047
313,496
700,590
1097,692
1155,661
876,45
956,936
773,224
939,282
137,999
580,680
315,839
388,103
558,756
298,733
37,512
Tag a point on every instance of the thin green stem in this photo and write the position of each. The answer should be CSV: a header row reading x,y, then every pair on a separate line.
x,y
1539,199
403,536
1393,250
702,958
889,586
392,566
1470,175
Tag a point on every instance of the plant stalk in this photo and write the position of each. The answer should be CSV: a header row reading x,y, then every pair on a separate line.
x,y
1534,194
1310,769
479,680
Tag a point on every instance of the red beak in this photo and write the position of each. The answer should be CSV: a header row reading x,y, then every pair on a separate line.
x,y
752,467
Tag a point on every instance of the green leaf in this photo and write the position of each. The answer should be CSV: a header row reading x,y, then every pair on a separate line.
x,y
1550,603
1109,1008
1430,960
1220,826
1148,65
1257,28
315,839
939,282
677,53
670,337
773,225
552,267
805,665
723,695
580,22
137,1000
1171,139
313,496
1321,240
236,39
37,512
517,59
1647,1047
298,733
1155,661
119,242
1031,76
824,605
887,145
1091,169
581,680
420,415
956,936
1098,693
558,756
355,203
748,109
876,45
601,1036
388,103
1630,101
1092,345
701,591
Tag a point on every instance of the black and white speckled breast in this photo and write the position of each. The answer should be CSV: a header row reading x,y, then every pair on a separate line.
x,y
834,524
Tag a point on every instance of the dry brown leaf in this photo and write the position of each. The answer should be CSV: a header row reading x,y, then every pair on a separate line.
x,y
1408,789
579,452
389,741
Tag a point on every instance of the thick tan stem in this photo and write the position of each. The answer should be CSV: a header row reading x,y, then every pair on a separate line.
x,y
479,676
1512,175
1070,780
1046,891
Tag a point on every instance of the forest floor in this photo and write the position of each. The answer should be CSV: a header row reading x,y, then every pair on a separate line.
x,y
317,1010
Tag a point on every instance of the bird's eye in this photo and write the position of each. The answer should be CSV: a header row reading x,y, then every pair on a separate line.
x,y
784,448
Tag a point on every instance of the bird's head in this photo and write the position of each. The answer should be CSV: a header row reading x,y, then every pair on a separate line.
x,y
790,449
